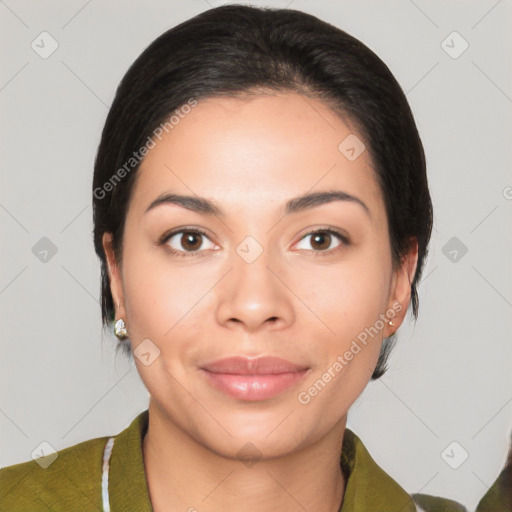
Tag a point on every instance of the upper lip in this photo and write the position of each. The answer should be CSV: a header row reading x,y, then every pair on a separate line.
x,y
238,365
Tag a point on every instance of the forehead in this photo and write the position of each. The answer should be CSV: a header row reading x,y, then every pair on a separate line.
x,y
263,149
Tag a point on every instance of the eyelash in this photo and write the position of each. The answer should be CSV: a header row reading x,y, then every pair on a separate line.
x,y
166,237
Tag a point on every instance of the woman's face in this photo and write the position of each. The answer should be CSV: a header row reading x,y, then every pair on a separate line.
x,y
257,282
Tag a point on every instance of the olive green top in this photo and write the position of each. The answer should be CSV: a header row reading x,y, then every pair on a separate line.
x,y
499,497
72,482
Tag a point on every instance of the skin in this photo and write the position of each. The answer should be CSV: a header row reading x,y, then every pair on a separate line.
x,y
301,300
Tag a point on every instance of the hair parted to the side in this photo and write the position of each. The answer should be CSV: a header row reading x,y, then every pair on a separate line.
x,y
237,50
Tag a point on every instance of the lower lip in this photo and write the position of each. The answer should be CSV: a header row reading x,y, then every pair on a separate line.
x,y
253,387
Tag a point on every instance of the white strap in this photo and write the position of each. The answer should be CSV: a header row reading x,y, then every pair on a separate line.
x,y
107,452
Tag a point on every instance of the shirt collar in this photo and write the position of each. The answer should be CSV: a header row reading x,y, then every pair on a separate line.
x,y
128,487
367,487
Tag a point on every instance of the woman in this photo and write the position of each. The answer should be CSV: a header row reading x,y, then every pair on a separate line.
x,y
262,217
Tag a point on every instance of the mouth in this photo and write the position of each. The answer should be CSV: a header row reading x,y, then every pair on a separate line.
x,y
253,379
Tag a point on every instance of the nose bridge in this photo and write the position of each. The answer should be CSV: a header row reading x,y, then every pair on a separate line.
x,y
252,294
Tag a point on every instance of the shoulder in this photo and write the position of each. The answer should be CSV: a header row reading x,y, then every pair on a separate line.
x,y
426,503
499,496
62,480
369,487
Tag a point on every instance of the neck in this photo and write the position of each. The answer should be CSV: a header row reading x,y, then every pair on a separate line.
x,y
183,474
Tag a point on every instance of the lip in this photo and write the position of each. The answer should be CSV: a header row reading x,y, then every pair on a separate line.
x,y
253,379
239,365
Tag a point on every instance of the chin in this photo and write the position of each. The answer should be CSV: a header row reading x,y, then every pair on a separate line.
x,y
250,448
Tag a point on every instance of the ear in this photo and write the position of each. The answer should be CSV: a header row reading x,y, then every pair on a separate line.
x,y
114,272
400,295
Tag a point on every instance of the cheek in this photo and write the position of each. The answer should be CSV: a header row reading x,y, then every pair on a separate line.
x,y
163,304
165,301
349,299
348,296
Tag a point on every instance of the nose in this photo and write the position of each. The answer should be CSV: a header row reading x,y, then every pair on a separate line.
x,y
252,297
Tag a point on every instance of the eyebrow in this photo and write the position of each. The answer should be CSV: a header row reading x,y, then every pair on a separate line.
x,y
208,207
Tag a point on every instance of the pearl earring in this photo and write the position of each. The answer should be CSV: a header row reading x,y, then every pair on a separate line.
x,y
120,328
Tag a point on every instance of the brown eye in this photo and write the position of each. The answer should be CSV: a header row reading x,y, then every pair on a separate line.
x,y
324,240
187,241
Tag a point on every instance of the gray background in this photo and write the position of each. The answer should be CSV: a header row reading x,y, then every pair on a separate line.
x,y
450,376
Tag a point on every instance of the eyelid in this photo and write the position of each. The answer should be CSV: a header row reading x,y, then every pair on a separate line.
x,y
183,229
168,234
327,229
342,237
